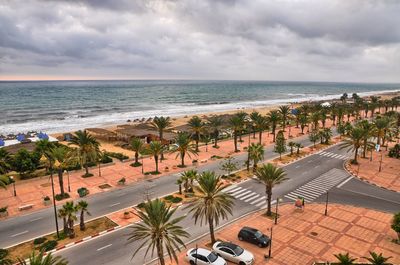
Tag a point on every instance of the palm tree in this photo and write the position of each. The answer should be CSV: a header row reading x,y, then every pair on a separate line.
x,y
5,161
273,118
183,146
210,202
155,149
345,259
284,112
242,117
215,123
353,141
42,259
83,208
187,178
298,146
197,127
292,145
368,132
256,153
87,148
62,158
43,146
68,213
236,126
381,125
303,119
377,259
158,230
270,175
4,181
261,124
254,116
315,117
137,146
161,124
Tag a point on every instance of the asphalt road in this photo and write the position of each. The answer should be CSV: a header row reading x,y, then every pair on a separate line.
x,y
22,228
323,170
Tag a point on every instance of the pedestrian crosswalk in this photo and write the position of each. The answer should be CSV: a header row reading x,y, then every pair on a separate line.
x,y
246,195
319,185
333,155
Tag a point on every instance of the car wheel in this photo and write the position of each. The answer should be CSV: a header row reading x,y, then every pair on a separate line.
x,y
240,238
192,262
242,263
260,245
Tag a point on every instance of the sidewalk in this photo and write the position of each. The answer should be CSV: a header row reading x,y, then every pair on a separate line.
x,y
33,191
388,177
301,238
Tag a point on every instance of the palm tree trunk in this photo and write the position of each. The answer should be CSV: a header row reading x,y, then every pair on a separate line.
x,y
235,141
365,149
211,225
254,132
87,169
260,136
269,196
82,221
197,141
65,226
61,181
355,155
182,159
156,159
136,157
180,188
160,252
161,140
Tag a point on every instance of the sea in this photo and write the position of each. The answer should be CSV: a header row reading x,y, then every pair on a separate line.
x,y
61,106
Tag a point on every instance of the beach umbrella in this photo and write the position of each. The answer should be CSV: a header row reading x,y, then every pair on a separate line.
x,y
295,111
20,137
2,143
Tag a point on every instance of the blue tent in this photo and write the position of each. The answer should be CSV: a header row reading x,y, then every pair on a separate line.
x,y
2,143
43,136
295,111
20,137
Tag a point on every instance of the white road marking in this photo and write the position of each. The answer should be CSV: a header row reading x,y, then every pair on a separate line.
x,y
252,198
18,234
259,199
247,196
233,190
115,204
36,219
297,166
344,182
99,249
237,193
230,188
242,194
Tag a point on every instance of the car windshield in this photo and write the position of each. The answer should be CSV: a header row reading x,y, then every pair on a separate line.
x,y
238,251
258,234
212,257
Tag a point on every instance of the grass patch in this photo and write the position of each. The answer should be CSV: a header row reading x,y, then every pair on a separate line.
x,y
138,164
87,175
152,173
24,250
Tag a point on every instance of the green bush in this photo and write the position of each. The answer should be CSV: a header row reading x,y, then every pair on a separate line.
x,y
395,151
189,195
176,199
106,159
83,192
39,240
3,209
3,253
118,156
136,164
49,245
169,197
87,175
141,205
60,197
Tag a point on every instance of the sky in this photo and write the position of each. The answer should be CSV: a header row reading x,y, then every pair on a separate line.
x,y
315,40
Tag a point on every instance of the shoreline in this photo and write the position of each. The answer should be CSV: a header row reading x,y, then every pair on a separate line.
x,y
179,120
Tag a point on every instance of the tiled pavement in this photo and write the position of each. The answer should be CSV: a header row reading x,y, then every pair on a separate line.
x,y
301,238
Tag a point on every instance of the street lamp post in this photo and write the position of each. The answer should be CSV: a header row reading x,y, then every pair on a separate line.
x,y
142,165
13,182
326,203
69,185
248,153
270,245
380,162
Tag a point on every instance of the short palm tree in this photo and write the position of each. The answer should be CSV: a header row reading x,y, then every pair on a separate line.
x,y
270,175
5,161
303,119
197,127
68,213
256,153
273,119
183,146
41,259
161,124
83,208
284,112
353,141
261,124
236,125
87,148
315,117
254,115
155,149
158,230
214,124
137,146
210,202
345,259
187,178
291,145
377,259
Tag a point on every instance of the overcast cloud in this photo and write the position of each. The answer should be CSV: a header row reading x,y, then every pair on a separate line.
x,y
343,40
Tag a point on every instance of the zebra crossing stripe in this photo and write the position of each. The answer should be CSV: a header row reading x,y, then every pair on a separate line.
x,y
238,192
252,198
230,188
259,204
259,199
239,195
233,190
247,196
305,190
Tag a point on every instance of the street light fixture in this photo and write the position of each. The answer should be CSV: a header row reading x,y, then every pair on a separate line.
x,y
69,185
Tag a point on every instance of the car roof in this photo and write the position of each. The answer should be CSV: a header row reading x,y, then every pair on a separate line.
x,y
227,244
201,251
246,228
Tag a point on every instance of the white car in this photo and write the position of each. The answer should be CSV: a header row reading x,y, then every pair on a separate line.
x,y
201,256
234,253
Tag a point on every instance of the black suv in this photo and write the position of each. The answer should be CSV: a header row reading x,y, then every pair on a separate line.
x,y
253,236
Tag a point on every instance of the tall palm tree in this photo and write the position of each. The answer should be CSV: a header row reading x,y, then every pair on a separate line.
x,y
62,158
377,259
353,141
43,146
155,149
87,148
161,124
83,208
158,230
368,132
256,153
303,119
242,117
42,259
315,117
197,127
270,175
261,124
215,123
236,125
137,146
210,202
183,146
273,119
344,259
373,104
381,125
284,112
254,116
5,161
